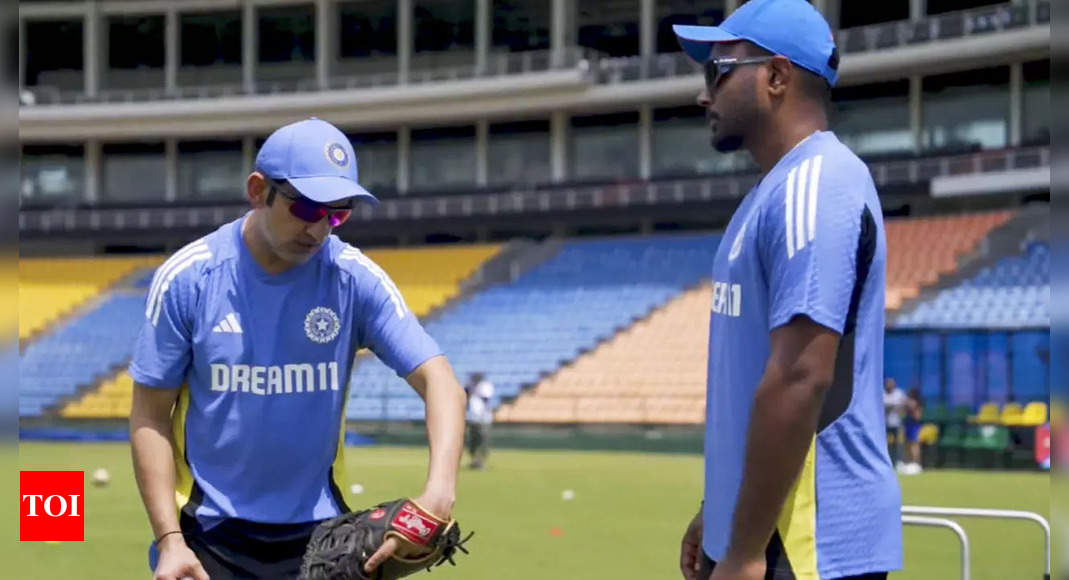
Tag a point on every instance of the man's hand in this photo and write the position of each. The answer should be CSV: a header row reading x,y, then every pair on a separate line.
x,y
177,561
438,502
690,552
737,570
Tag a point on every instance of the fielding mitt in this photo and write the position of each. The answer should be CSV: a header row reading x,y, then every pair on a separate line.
x,y
340,546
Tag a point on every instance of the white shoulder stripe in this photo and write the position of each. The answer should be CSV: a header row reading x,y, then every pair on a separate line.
x,y
788,213
399,306
165,269
814,181
799,199
800,204
157,306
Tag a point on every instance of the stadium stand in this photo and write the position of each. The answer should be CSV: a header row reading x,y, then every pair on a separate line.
x,y
430,277
518,332
79,352
50,288
427,277
919,250
652,372
1015,292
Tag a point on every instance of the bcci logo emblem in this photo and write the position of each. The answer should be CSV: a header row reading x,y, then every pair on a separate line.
x,y
736,247
337,155
321,325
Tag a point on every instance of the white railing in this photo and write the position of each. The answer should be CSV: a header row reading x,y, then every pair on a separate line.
x,y
922,515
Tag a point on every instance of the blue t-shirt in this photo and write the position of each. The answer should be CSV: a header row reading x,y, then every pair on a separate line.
x,y
807,240
263,363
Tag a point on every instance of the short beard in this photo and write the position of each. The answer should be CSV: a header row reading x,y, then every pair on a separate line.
x,y
728,144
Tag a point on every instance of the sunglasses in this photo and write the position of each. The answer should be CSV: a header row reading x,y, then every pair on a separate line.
x,y
310,211
718,68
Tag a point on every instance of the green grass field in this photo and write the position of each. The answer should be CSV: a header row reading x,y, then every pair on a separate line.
x,y
624,522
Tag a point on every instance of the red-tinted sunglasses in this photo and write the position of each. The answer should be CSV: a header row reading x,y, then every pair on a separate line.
x,y
310,211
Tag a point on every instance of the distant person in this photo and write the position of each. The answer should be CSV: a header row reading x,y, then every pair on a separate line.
x,y
798,483
480,419
914,412
894,407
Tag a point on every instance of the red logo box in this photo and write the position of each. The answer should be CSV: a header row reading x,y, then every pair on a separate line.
x,y
52,506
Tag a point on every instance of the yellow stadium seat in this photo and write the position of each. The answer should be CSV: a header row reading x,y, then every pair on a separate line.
x,y
1011,414
988,414
1035,414
49,288
929,434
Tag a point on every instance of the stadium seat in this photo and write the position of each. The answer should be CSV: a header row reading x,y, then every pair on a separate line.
x,y
660,361
989,413
518,333
950,443
929,434
1011,415
920,250
985,444
1034,415
49,288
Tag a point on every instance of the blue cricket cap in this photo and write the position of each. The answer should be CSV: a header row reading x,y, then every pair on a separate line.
x,y
791,28
316,158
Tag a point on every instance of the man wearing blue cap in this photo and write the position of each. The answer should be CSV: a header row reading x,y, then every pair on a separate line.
x,y
798,482
241,372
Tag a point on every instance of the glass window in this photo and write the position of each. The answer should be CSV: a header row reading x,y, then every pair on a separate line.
x,y
1036,122
376,160
518,154
135,52
367,28
941,6
211,38
135,42
611,28
52,174
442,158
133,173
210,170
967,110
54,54
853,14
873,119
287,33
682,145
520,25
443,25
671,12
605,147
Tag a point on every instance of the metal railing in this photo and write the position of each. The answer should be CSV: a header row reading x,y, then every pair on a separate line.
x,y
983,20
699,189
858,39
497,65
921,515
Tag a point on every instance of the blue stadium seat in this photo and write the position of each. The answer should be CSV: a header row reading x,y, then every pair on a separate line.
x,y
1015,292
519,331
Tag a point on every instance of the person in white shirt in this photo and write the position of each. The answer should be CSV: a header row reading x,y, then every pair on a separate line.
x,y
894,407
480,418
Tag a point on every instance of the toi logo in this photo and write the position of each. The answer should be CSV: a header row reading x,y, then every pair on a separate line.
x,y
52,506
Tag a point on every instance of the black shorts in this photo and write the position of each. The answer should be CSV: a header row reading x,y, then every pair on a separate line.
x,y
242,549
779,568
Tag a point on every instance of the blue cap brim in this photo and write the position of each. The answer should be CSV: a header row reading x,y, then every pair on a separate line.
x,y
330,189
697,41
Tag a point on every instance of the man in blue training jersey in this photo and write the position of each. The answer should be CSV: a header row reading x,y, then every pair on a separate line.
x,y
798,482
242,367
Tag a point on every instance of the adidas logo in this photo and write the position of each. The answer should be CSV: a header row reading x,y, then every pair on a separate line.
x,y
229,323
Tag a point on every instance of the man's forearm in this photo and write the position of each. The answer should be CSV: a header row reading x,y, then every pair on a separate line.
x,y
152,450
782,424
445,432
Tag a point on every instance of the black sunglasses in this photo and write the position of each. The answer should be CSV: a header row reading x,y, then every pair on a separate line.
x,y
310,211
718,68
